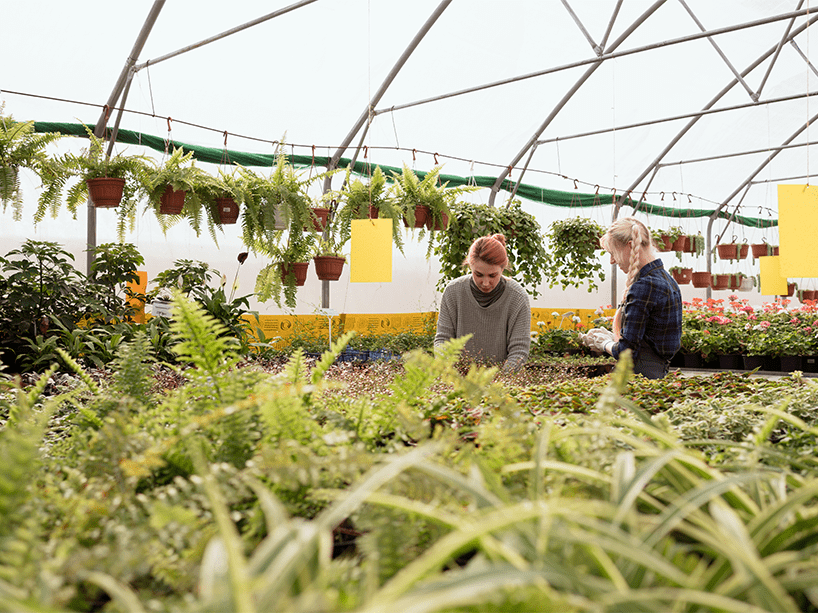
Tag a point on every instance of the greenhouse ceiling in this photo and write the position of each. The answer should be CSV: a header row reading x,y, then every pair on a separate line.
x,y
687,103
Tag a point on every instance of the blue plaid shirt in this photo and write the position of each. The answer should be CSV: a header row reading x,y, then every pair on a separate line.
x,y
653,312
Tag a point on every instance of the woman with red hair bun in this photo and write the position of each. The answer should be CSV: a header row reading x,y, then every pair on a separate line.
x,y
493,308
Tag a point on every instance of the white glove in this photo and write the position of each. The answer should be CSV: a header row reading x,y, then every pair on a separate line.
x,y
599,339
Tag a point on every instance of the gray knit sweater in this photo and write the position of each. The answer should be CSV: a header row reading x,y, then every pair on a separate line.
x,y
501,331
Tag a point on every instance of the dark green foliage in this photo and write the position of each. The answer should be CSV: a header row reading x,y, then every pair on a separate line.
x,y
573,258
524,241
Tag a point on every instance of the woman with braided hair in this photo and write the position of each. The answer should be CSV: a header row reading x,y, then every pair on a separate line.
x,y
493,308
649,318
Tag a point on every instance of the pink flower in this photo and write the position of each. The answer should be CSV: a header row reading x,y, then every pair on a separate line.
x,y
752,316
794,321
764,325
747,308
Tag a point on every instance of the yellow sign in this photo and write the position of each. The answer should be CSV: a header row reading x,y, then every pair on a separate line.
x,y
371,252
797,230
136,304
772,283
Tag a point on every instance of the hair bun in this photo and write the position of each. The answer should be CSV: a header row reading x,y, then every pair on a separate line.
x,y
500,238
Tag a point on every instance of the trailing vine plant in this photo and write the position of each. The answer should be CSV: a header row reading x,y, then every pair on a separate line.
x,y
524,242
572,258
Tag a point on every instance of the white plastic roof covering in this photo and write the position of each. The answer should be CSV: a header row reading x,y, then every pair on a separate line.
x,y
612,99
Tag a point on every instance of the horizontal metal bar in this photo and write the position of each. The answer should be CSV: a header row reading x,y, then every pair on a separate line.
x,y
604,56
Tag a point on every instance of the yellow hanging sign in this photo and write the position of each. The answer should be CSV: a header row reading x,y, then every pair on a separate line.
x,y
772,283
371,252
797,230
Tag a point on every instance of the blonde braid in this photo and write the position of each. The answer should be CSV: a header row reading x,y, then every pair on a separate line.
x,y
622,232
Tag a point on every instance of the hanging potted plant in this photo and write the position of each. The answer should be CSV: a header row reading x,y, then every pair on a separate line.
x,y
681,275
21,147
689,243
701,279
329,261
288,269
223,196
371,200
527,257
116,181
171,183
664,239
571,257
425,202
733,250
760,250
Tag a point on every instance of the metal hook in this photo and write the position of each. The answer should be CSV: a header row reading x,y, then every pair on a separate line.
x,y
674,195
366,151
169,120
225,139
596,193
575,184
663,196
414,151
435,156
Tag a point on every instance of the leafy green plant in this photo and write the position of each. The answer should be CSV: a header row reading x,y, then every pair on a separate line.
x,y
177,172
572,258
21,147
95,163
357,197
411,192
524,242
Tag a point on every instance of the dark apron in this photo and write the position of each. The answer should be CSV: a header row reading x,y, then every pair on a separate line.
x,y
649,363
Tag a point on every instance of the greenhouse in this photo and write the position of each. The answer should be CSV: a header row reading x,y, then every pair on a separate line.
x,y
430,306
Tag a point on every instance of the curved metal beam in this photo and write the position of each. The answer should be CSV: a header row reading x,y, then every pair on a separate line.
x,y
745,185
657,161
569,94
366,115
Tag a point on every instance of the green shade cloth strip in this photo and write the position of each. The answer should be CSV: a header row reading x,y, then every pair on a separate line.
x,y
529,192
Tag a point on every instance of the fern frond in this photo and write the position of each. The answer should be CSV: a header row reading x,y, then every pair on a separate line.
x,y
73,365
202,340
132,373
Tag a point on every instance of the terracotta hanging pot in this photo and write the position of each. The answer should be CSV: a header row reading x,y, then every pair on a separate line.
x,y
664,243
682,276
760,250
105,192
809,294
683,244
790,290
299,270
228,210
319,219
437,224
701,279
329,267
373,212
172,201
421,215
729,251
721,281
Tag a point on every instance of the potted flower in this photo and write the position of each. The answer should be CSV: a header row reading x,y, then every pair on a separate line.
x,y
21,147
524,241
173,182
372,200
572,258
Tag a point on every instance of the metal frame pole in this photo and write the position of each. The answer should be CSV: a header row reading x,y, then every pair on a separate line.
x,y
99,129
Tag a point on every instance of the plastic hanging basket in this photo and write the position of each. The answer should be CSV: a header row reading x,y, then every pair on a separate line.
x,y
105,192
172,201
